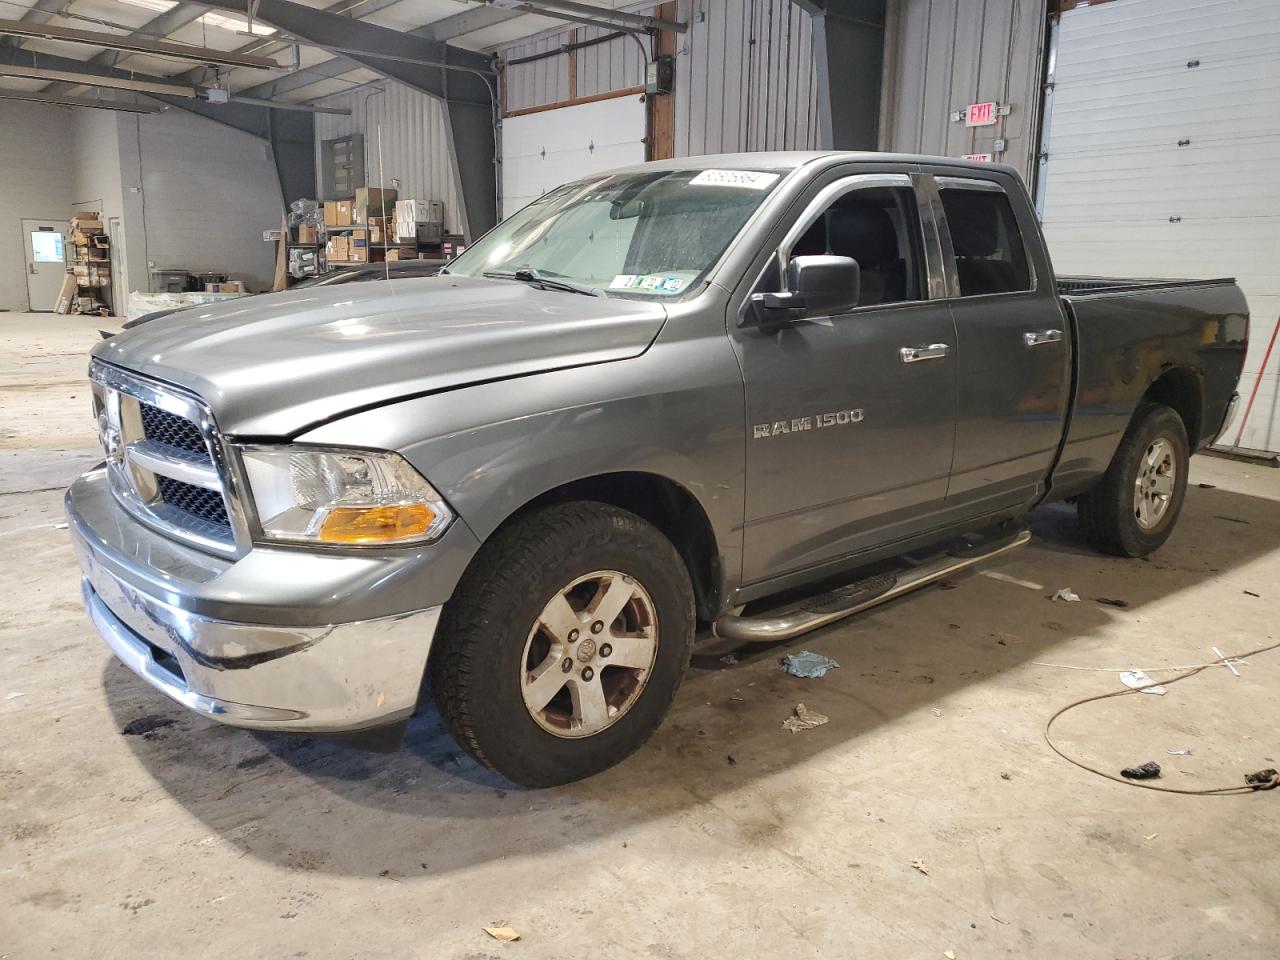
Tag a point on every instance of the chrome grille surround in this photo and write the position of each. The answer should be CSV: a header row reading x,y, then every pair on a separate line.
x,y
136,460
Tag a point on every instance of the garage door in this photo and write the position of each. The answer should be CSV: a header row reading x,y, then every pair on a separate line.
x,y
545,149
1162,133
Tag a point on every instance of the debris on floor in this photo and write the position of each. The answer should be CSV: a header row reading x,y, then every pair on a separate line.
x,y
1231,519
1066,593
919,864
1250,593
1206,486
1150,836
1148,771
1137,680
936,711
1006,775
803,718
1183,752
729,659
1109,602
950,953
503,933
1265,779
807,665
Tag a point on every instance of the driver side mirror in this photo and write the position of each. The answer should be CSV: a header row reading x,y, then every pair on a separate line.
x,y
816,286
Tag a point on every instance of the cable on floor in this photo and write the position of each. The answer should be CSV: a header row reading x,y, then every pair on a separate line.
x,y
1254,782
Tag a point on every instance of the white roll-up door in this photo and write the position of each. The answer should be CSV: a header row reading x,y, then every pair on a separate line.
x,y
1162,134
545,149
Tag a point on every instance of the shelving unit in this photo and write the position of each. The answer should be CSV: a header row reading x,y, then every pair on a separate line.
x,y
87,289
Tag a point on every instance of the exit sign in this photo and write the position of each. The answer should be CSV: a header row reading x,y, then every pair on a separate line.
x,y
980,114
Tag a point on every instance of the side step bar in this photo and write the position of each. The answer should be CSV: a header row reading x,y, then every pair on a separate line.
x,y
845,601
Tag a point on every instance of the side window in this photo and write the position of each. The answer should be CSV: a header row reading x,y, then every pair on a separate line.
x,y
878,227
990,256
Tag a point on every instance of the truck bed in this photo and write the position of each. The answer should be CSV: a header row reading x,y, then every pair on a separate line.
x,y
1091,286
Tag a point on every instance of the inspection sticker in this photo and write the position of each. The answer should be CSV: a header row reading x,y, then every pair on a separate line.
x,y
649,283
748,179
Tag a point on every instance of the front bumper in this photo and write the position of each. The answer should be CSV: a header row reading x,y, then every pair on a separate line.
x,y
162,609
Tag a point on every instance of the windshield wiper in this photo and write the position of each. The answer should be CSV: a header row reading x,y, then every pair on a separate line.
x,y
531,275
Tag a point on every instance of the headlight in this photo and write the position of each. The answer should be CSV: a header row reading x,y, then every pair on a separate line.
x,y
342,496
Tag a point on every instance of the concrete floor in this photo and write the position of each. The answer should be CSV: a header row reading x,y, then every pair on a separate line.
x,y
203,841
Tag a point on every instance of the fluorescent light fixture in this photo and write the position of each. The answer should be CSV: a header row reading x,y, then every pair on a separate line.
x,y
224,21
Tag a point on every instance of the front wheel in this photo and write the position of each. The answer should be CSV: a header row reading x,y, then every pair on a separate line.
x,y
565,643
1134,507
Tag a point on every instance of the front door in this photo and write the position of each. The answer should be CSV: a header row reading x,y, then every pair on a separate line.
x,y
850,418
46,266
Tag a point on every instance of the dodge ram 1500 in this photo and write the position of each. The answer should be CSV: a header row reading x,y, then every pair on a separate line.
x,y
626,417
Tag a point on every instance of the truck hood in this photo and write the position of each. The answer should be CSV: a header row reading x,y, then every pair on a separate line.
x,y
274,365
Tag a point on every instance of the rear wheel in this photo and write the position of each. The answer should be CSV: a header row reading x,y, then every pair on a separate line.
x,y
1133,509
564,645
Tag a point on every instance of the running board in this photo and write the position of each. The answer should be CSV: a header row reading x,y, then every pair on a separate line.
x,y
853,598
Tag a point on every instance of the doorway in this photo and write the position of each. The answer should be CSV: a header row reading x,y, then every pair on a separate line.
x,y
45,245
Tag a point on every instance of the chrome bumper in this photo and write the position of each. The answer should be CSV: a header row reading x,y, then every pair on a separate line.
x,y
1227,417
325,678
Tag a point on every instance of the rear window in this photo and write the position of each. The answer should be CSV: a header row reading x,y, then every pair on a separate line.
x,y
990,256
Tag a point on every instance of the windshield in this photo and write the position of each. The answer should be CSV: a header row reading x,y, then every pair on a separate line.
x,y
651,234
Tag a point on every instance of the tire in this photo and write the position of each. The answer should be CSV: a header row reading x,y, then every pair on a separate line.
x,y
1111,513
497,630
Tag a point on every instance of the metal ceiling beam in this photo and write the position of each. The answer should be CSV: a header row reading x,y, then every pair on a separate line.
x,y
119,106
85,78
158,26
269,45
463,80
40,13
572,10
276,105
134,44
468,21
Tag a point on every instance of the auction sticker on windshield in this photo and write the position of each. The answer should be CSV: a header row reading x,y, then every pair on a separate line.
x,y
748,179
647,283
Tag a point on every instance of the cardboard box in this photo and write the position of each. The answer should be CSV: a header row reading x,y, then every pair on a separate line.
x,y
308,233
402,253
231,286
374,202
87,215
66,294
337,213
420,211
336,249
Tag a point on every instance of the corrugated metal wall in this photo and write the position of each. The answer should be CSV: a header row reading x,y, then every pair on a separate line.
x,y
415,142
943,55
744,75
614,65
745,78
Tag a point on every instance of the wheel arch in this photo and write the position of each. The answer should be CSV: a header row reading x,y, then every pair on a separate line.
x,y
1180,388
666,504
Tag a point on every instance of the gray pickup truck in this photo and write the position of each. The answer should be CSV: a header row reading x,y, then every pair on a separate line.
x,y
638,412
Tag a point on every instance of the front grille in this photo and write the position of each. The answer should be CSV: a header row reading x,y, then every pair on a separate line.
x,y
202,504
172,430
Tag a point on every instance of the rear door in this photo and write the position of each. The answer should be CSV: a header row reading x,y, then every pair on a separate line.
x,y
850,418
1014,359
45,249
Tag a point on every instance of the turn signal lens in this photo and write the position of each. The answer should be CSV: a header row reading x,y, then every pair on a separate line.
x,y
380,524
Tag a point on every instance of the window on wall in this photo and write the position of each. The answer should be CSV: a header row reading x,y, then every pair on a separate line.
x,y
990,255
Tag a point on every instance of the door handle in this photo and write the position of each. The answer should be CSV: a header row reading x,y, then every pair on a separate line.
x,y
1033,338
934,351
